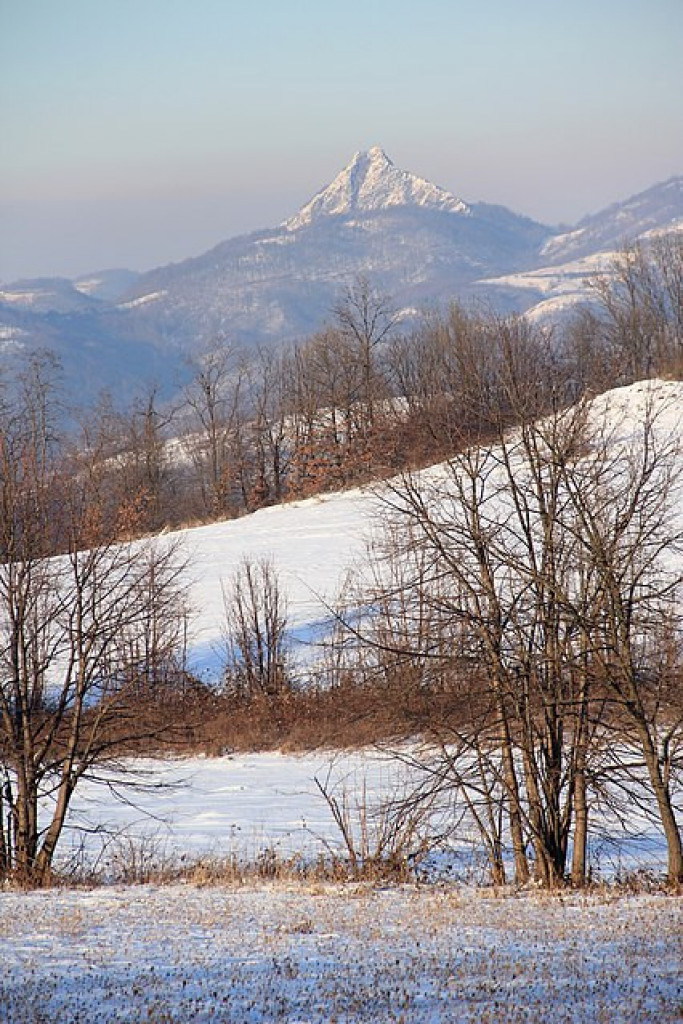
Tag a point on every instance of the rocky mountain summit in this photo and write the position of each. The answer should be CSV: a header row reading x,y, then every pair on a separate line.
x,y
411,238
372,182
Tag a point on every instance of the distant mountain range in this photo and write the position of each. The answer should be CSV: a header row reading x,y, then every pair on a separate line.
x,y
415,242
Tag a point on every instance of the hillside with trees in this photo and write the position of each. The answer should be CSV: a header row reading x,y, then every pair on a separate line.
x,y
522,614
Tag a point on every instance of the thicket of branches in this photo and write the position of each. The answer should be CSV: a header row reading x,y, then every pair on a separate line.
x,y
533,585
525,610
87,638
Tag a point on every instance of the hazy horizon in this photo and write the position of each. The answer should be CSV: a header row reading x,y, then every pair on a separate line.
x,y
137,135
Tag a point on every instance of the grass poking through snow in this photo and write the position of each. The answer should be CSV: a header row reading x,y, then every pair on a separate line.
x,y
323,953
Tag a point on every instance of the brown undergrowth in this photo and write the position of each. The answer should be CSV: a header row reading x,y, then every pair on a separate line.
x,y
202,721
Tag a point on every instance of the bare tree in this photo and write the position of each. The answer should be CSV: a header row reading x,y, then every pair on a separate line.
x,y
214,398
256,631
365,320
68,624
623,499
146,458
322,395
267,427
542,554
640,304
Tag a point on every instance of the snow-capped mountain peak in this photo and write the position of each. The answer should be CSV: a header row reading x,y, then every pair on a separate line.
x,y
372,182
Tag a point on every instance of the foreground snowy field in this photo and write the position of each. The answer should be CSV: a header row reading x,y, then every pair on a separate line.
x,y
322,954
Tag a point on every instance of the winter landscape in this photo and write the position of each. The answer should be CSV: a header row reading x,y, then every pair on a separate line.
x,y
341,512
227,914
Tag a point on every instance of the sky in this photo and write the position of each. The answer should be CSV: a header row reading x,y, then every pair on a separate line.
x,y
140,132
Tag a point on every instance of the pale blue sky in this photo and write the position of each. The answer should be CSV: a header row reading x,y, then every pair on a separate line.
x,y
135,132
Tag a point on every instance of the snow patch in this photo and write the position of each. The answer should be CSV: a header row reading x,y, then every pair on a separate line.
x,y
22,298
142,300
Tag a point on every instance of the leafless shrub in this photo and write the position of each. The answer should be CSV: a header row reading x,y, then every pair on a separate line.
x,y
256,631
387,840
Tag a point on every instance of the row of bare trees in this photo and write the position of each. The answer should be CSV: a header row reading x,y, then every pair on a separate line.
x,y
362,398
254,428
639,313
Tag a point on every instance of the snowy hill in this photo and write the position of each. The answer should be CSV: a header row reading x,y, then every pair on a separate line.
x,y
315,542
550,293
108,285
46,295
658,207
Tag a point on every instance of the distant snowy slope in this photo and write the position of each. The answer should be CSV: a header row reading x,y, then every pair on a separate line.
x,y
657,207
108,285
46,295
549,293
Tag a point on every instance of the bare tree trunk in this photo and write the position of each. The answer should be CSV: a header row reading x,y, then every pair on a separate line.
x,y
580,818
666,812
515,812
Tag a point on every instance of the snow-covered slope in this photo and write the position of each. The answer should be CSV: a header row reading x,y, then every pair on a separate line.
x,y
254,802
314,543
46,295
550,293
248,803
657,207
108,285
311,543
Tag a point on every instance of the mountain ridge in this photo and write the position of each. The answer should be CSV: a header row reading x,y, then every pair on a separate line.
x,y
413,240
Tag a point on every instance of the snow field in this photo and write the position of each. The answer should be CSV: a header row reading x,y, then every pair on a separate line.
x,y
328,953
311,543
251,806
